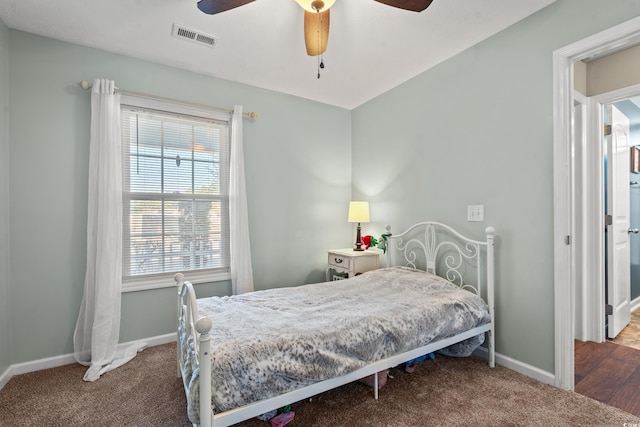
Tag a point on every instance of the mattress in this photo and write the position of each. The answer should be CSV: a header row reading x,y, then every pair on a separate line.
x,y
270,342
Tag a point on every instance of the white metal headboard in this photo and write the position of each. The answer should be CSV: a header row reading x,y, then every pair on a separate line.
x,y
439,249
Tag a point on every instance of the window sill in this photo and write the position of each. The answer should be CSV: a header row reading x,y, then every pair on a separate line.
x,y
167,281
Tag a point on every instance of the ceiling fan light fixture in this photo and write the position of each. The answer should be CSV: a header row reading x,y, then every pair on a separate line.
x,y
315,5
316,32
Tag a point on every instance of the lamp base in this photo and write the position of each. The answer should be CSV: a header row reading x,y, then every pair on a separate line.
x,y
358,240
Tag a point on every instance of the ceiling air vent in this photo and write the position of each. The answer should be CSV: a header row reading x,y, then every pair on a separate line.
x,y
195,36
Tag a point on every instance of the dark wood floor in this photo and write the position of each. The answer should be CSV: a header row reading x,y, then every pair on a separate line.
x,y
609,373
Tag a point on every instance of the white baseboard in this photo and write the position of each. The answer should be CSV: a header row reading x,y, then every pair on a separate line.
x,y
518,366
5,377
66,359
635,304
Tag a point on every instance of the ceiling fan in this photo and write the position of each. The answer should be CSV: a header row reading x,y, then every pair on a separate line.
x,y
316,17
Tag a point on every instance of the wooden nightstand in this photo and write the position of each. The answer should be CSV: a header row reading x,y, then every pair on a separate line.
x,y
347,263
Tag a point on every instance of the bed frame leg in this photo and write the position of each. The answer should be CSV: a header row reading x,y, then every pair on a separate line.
x,y
490,294
375,386
179,278
492,349
203,326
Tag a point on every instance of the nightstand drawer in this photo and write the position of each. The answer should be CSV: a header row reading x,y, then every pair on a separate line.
x,y
337,260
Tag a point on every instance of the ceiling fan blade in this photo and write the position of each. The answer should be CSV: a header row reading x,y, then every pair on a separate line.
x,y
412,5
212,7
316,31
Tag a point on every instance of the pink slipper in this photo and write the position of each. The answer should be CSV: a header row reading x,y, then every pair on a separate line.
x,y
282,419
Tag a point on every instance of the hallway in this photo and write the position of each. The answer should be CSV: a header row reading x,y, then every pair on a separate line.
x,y
630,335
610,372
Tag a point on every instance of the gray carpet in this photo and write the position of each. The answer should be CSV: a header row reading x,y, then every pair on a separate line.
x,y
444,392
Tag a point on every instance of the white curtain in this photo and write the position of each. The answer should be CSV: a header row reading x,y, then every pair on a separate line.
x,y
241,270
98,326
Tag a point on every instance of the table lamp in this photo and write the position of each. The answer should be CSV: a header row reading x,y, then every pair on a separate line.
x,y
358,212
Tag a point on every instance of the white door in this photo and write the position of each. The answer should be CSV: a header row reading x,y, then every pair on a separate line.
x,y
618,248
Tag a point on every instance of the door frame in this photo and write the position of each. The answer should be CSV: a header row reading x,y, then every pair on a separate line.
x,y
591,289
587,242
581,300
566,257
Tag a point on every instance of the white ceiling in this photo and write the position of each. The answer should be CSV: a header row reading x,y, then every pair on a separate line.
x,y
372,47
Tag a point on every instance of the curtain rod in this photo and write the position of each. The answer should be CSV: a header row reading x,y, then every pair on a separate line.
x,y
251,114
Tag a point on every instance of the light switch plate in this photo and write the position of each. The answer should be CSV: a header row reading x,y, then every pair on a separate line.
x,y
475,213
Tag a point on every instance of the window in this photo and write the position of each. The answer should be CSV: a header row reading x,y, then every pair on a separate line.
x,y
175,166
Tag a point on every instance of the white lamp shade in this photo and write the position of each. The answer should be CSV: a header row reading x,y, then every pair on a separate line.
x,y
307,4
358,212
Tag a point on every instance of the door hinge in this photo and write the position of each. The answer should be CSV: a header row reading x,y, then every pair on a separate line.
x,y
567,240
607,130
608,309
608,220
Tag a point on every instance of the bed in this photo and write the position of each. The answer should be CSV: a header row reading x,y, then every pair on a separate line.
x,y
245,355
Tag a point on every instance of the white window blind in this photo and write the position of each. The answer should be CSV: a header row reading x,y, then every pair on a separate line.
x,y
175,193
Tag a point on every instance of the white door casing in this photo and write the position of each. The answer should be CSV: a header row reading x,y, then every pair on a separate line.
x,y
580,207
618,247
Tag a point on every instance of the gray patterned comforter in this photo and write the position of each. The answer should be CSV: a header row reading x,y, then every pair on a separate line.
x,y
270,342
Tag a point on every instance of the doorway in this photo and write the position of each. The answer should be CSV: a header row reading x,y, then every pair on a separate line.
x,y
601,185
631,109
605,370
577,266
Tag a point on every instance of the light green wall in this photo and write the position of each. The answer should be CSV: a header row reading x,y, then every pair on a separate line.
x,y
298,184
477,129
5,316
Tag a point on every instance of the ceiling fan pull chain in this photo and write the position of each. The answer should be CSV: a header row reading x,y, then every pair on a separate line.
x,y
320,64
321,55
319,34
